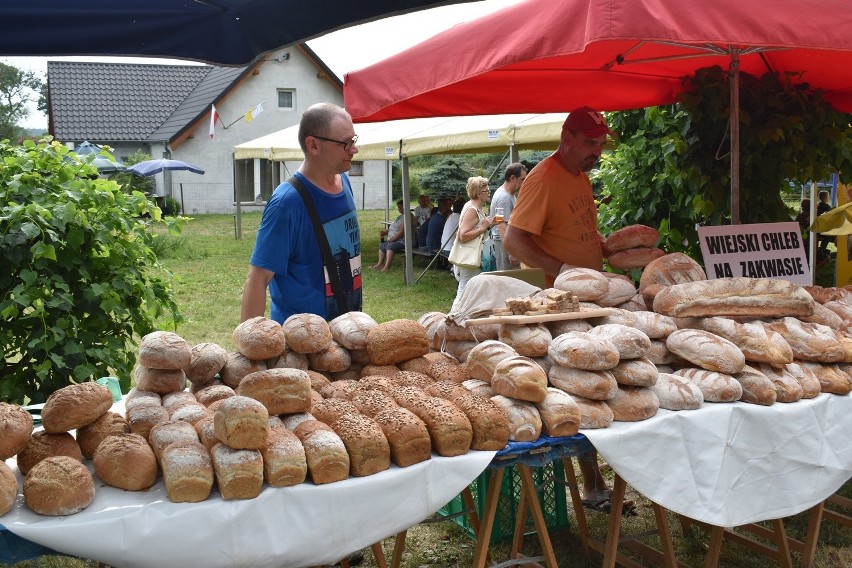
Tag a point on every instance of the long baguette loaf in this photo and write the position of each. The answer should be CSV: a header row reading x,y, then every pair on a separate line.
x,y
759,297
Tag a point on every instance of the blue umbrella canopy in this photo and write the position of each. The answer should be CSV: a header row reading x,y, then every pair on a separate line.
x,y
151,167
101,159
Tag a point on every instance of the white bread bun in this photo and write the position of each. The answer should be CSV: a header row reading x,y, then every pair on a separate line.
x,y
16,426
524,418
677,393
307,333
284,462
164,350
43,445
8,488
74,406
239,472
560,415
187,471
58,486
282,391
206,360
350,329
583,351
259,338
126,461
241,423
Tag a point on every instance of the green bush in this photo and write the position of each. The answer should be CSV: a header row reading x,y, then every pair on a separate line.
x,y
81,282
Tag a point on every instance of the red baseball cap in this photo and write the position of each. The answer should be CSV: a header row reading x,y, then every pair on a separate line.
x,y
587,121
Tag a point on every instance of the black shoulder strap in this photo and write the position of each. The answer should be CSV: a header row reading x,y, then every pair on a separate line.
x,y
325,249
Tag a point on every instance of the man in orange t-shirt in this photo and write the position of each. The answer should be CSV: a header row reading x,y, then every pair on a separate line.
x,y
554,226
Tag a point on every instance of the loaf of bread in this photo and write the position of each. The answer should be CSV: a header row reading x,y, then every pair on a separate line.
x,y
418,365
366,444
632,236
843,309
238,366
74,406
528,340
806,379
831,378
406,434
43,445
350,329
239,472
284,461
593,413
394,341
344,389
480,388
489,422
621,289
823,295
677,393
706,350
206,430
164,350
757,342
630,342
787,388
288,360
334,358
459,349
635,372
290,421
596,385
638,257
8,488
674,268
16,426
190,412
206,360
756,297
259,338
282,391
445,367
446,389
564,326
137,396
167,433
241,423
376,382
329,410
58,486
483,358
211,393
583,351
90,436
586,284
660,354
372,402
810,341
520,378
174,399
126,461
141,418
757,388
449,427
715,387
307,333
632,404
412,379
824,316
524,419
560,415
160,381
654,325
325,452
635,304
187,471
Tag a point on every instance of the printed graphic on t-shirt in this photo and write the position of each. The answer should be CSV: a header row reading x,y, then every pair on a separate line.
x,y
344,239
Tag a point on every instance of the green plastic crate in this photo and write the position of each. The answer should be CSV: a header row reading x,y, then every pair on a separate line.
x,y
551,497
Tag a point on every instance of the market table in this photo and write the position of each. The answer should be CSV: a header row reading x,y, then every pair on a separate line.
x,y
304,525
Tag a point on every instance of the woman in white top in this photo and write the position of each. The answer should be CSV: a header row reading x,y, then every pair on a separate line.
x,y
473,224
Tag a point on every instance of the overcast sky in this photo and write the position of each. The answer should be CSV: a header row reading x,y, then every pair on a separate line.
x,y
343,51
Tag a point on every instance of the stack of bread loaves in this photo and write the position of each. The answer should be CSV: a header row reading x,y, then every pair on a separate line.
x,y
633,247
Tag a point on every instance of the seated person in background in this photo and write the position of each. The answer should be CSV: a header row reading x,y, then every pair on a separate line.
x,y
436,224
395,241
448,236
823,207
423,210
423,231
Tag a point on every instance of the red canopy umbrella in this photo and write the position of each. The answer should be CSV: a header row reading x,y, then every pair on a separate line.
x,y
545,56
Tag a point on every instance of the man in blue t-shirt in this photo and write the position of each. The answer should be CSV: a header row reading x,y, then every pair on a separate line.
x,y
436,224
287,258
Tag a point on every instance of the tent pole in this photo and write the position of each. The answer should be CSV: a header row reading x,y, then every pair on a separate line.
x,y
406,220
735,137
812,241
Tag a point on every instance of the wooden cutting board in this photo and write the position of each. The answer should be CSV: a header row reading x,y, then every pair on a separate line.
x,y
520,320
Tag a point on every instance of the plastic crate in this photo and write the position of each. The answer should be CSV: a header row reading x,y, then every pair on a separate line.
x,y
551,497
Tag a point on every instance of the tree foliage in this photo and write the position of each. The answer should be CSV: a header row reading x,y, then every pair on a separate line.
x,y
79,280
17,88
671,167
447,177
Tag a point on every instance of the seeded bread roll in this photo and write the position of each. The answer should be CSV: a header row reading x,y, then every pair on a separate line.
x,y
677,393
560,415
206,360
412,379
630,342
238,366
16,426
489,422
160,381
597,385
206,430
211,393
787,388
143,417
350,329
524,419
587,284
325,452
831,378
168,433
90,436
126,461
241,423
483,358
581,350
187,471
284,461
806,379
757,388
75,406
715,387
376,382
329,410
593,413
445,367
282,391
307,333
344,389
448,427
635,372
406,434
527,340
366,444
58,486
43,445
632,236
259,338
396,341
372,402
632,404
8,488
446,389
520,378
706,350
480,388
239,472
164,350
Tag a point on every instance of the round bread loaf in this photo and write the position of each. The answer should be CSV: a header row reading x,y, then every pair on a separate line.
x,y
757,388
238,472
635,372
674,268
110,424
583,351
58,486
524,419
638,257
168,433
238,366
330,410
74,406
259,338
759,343
806,379
43,445
366,444
325,453
206,360
660,354
8,488
284,462
449,427
564,326
634,304
489,421
141,418
160,381
187,471
350,329
621,289
654,325
211,393
164,350
593,413
307,333
787,388
596,385
395,341
616,315
630,342
485,356
289,360
318,380
677,393
527,340
126,461
706,350
16,426
715,387
632,404
190,412
241,423
520,378
632,236
282,391
406,434
480,388
174,399
586,284
333,358
560,415
137,396
445,367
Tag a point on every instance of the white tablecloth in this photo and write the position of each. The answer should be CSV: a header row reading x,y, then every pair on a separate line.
x,y
732,464
304,525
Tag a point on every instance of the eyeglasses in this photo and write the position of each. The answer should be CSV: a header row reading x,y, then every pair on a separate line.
x,y
347,144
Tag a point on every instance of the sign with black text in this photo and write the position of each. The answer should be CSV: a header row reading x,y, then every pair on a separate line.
x,y
764,250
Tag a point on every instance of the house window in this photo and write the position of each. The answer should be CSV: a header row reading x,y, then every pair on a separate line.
x,y
287,99
357,169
